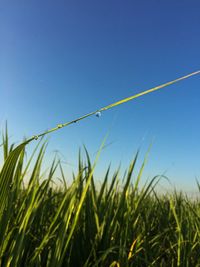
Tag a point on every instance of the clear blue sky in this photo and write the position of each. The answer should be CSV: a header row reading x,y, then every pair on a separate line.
x,y
62,59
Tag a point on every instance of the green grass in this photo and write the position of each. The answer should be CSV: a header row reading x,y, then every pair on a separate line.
x,y
117,224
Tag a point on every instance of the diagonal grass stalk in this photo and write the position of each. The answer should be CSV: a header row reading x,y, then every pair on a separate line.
x,y
122,101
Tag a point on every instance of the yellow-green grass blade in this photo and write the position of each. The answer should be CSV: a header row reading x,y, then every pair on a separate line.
x,y
27,213
7,172
148,91
179,233
80,204
122,101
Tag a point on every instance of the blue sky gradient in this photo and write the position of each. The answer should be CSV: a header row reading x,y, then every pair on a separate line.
x,y
62,59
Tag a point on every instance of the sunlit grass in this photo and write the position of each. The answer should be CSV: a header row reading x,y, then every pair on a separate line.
x,y
119,223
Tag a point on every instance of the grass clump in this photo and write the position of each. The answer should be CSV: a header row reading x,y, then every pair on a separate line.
x,y
79,224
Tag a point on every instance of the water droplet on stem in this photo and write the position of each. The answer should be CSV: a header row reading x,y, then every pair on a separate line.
x,y
98,114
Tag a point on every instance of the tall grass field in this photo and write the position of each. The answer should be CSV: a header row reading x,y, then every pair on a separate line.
x,y
82,224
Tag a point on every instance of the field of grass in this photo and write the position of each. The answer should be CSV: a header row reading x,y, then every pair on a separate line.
x,y
79,225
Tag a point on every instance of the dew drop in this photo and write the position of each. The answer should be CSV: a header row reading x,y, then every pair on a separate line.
x,y
98,114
